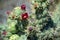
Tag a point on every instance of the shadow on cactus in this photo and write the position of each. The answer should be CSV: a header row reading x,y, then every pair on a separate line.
x,y
21,26
47,21
32,35
39,12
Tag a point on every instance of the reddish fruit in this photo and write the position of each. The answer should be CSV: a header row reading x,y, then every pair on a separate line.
x,y
23,7
30,28
24,16
4,33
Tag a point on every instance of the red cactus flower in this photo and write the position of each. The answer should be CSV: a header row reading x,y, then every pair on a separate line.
x,y
23,7
25,16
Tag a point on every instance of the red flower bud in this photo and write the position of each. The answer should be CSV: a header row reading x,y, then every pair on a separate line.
x,y
8,12
23,7
4,32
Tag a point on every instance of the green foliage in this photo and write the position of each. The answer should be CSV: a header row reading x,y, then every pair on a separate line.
x,y
23,37
17,11
21,26
11,27
40,19
56,15
32,35
39,12
42,14
14,37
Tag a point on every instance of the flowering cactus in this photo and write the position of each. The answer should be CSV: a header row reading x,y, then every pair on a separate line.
x,y
38,25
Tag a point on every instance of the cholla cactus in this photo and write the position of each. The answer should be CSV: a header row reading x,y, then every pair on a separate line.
x,y
37,26
14,37
3,32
